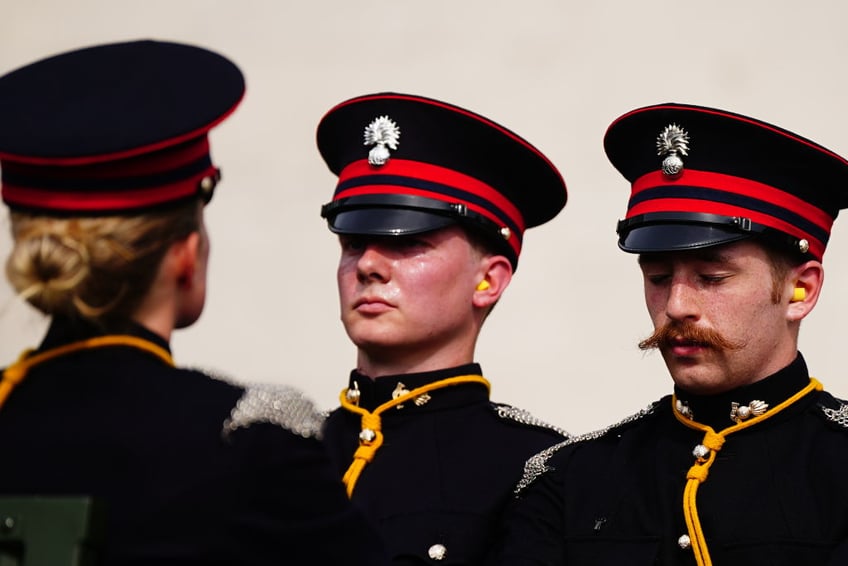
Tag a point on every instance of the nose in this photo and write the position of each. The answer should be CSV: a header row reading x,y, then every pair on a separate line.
x,y
682,302
372,264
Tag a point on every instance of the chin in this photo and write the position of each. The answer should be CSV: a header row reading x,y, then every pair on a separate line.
x,y
185,321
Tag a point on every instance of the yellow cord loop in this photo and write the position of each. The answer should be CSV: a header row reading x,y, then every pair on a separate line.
x,y
371,437
15,373
697,474
712,440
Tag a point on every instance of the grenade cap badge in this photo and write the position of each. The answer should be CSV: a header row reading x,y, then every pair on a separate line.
x,y
673,144
383,134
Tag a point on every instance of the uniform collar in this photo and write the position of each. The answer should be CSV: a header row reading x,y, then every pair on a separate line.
x,y
64,330
375,392
715,410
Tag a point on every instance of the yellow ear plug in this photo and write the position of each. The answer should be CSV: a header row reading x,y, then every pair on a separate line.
x,y
483,285
799,294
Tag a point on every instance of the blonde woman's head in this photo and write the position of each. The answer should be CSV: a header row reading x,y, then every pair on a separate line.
x,y
97,268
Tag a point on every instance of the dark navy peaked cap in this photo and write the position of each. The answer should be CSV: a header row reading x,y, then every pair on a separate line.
x,y
113,128
702,177
408,164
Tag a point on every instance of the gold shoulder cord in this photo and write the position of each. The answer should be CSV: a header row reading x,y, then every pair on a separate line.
x,y
712,443
16,372
371,437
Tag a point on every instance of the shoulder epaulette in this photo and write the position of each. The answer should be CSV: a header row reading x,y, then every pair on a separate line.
x,y
834,410
521,416
281,405
537,465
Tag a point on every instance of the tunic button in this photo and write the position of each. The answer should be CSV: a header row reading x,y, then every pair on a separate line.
x,y
684,542
367,435
437,552
701,451
353,395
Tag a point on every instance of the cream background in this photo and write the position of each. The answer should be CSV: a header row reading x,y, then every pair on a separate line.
x,y
562,341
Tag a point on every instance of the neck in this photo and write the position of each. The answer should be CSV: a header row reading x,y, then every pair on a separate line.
x,y
157,316
376,364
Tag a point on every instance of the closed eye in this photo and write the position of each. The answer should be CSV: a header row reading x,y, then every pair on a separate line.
x,y
713,278
657,278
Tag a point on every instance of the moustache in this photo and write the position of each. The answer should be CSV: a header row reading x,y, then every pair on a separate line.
x,y
674,333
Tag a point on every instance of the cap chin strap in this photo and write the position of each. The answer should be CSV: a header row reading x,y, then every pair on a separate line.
x,y
454,209
741,224
501,237
713,441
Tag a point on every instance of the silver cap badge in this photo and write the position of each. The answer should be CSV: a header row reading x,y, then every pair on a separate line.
x,y
383,134
671,144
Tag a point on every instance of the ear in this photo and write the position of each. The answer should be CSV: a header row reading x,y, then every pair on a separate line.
x,y
808,276
183,256
497,273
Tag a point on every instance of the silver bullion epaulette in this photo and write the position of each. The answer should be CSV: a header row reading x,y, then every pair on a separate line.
x,y
839,415
537,465
281,405
521,416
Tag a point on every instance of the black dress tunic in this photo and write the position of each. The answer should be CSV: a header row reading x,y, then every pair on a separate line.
x,y
189,469
775,495
438,484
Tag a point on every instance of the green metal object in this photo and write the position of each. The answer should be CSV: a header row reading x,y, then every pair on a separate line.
x,y
49,531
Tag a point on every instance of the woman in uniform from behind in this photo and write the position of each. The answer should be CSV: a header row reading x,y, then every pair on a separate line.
x,y
106,171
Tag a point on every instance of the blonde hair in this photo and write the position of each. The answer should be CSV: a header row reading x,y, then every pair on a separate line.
x,y
95,267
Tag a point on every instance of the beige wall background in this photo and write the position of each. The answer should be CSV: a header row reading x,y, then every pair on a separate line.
x,y
562,341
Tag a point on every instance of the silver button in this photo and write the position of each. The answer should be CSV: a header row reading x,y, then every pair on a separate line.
x,y
352,395
437,552
701,451
367,435
207,185
684,542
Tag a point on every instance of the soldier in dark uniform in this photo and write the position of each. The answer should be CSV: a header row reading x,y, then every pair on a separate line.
x,y
430,213
744,463
106,169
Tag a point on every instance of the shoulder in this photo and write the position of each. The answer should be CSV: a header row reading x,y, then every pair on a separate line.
x,y
833,410
281,405
276,404
541,463
523,418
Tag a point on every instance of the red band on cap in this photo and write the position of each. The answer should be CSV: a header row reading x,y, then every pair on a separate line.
x,y
712,207
103,201
735,185
433,174
514,242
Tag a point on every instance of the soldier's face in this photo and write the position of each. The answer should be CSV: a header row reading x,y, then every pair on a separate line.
x,y
727,325
408,299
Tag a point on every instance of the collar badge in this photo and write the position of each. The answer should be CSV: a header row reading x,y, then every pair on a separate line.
x,y
400,390
383,134
673,143
739,413
419,400
684,409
